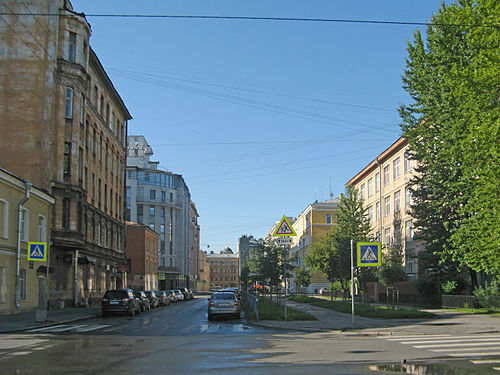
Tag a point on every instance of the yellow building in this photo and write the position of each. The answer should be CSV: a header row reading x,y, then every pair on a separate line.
x,y
384,186
312,225
223,269
34,206
203,282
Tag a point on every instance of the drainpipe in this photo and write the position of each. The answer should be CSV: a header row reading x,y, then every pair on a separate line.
x,y
27,186
380,195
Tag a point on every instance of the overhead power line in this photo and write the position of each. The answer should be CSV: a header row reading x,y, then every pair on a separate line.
x,y
252,18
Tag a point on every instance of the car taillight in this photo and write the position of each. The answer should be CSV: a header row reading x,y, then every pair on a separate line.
x,y
105,300
211,303
236,303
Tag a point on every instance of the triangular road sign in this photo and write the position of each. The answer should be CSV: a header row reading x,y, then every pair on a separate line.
x,y
369,255
36,252
284,229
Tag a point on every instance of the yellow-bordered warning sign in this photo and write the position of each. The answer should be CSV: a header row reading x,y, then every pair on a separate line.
x,y
284,229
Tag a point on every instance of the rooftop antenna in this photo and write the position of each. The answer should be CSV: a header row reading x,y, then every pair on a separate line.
x,y
331,192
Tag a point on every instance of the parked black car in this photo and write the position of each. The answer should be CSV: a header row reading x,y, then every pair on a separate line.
x,y
121,301
163,299
153,299
143,300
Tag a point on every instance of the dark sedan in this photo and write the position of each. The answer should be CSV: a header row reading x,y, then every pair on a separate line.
x,y
121,301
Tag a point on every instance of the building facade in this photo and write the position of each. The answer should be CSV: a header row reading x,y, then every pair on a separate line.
x,y
224,272
311,226
63,128
203,284
160,200
26,210
384,186
246,243
194,248
142,252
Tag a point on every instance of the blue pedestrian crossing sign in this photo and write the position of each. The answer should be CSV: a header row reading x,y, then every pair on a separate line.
x,y
37,251
369,254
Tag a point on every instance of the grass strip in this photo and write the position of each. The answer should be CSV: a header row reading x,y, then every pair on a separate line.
x,y
365,310
269,310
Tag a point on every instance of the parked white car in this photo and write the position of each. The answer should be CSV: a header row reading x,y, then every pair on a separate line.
x,y
179,295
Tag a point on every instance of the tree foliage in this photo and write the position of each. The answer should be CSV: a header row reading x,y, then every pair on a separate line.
x,y
392,269
302,277
452,125
332,254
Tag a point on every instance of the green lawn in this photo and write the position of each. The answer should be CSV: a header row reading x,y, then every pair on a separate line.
x,y
364,309
272,311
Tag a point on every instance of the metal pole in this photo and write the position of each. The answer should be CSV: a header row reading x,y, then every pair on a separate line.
x,y
75,301
284,276
352,281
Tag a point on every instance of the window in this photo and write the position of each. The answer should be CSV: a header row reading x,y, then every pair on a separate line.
x,y
395,168
408,197
82,108
377,182
397,201
370,187
152,226
386,175
409,230
105,196
94,143
68,112
42,228
387,206
370,214
140,214
72,47
363,196
93,187
162,212
171,197
22,284
328,218
67,158
99,193
163,196
152,211
408,164
4,218
162,230
80,164
25,217
387,236
152,195
65,213
99,234
377,211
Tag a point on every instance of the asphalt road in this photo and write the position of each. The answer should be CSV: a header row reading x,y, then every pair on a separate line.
x,y
179,339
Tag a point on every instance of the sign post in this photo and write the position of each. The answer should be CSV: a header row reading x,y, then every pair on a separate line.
x,y
369,254
284,229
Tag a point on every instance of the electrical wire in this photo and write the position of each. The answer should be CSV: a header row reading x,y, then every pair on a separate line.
x,y
257,18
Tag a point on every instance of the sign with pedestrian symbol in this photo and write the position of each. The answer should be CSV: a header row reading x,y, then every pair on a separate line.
x,y
161,276
37,251
369,254
284,229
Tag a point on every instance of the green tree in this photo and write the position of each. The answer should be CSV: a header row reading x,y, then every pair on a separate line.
x,y
332,254
302,277
452,126
392,269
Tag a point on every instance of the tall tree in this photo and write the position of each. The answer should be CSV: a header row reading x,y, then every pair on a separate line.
x,y
332,254
302,277
452,125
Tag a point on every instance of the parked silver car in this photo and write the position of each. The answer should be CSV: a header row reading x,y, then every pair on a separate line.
x,y
223,303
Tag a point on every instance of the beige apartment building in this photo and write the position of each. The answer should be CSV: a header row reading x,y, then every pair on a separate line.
x,y
63,127
312,225
384,185
223,269
21,200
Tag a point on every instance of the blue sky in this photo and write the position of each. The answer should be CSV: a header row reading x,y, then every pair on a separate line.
x,y
260,117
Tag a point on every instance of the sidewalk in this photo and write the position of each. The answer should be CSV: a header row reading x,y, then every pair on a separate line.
x,y
329,320
26,320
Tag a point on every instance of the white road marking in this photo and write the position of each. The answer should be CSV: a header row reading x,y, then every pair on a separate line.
x,y
68,328
486,361
464,349
46,328
479,354
444,339
397,338
457,345
93,328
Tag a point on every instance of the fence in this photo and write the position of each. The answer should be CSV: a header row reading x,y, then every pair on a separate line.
x,y
252,302
458,302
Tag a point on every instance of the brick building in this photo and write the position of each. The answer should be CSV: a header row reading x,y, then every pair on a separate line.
x,y
63,127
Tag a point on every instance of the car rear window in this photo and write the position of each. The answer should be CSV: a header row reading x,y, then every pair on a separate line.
x,y
116,294
223,296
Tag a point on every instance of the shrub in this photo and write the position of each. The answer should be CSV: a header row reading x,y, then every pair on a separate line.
x,y
488,297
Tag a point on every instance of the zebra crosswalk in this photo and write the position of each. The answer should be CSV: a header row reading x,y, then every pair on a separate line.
x,y
61,328
480,349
